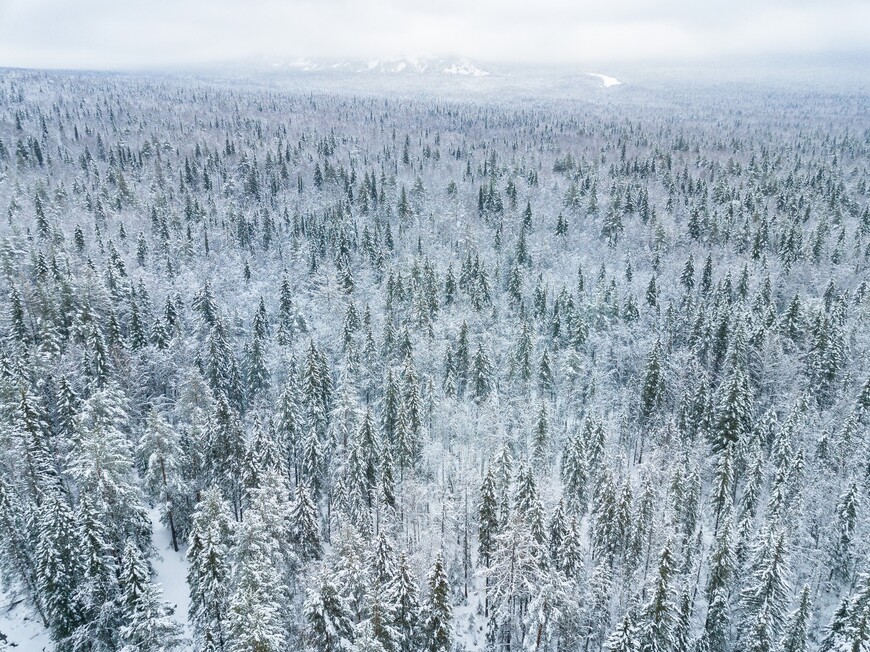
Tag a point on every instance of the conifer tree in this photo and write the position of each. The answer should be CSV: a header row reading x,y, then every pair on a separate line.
x,y
330,628
208,575
722,567
402,594
411,404
148,624
624,638
571,553
847,508
556,532
224,450
522,357
488,521
257,373
764,597
541,436
658,619
289,431
652,392
733,412
221,368
482,380
57,566
97,593
160,449
205,306
254,614
304,527
575,474
795,639
683,626
102,464
437,611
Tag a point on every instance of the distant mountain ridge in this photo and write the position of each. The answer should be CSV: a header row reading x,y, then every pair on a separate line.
x,y
394,66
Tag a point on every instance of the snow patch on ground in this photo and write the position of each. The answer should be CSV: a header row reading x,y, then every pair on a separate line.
x,y
607,80
20,626
23,631
170,569
469,626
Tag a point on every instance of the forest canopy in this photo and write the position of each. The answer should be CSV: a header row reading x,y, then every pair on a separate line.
x,y
397,375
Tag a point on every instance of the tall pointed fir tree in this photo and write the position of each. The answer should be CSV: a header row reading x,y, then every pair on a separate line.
x,y
732,418
437,611
289,424
255,619
575,474
795,638
402,594
208,575
304,525
161,451
148,624
101,462
329,624
764,597
658,619
58,568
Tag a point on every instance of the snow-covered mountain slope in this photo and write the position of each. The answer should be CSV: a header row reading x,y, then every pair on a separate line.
x,y
390,66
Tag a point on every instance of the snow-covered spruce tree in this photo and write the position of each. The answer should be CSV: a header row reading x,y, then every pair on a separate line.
x,y
208,575
795,638
329,624
160,450
847,512
848,628
733,406
148,623
437,612
402,595
304,524
97,592
624,638
223,454
764,597
262,457
255,608
658,618
515,568
57,566
289,425
101,462
575,474
717,622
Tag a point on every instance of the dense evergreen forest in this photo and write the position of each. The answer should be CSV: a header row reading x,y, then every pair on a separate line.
x,y
405,375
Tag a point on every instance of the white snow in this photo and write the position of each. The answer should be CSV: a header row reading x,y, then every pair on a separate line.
x,y
21,626
24,631
401,65
171,569
607,80
465,68
303,64
469,625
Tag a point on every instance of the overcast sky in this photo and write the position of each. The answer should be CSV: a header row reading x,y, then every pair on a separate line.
x,y
118,34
